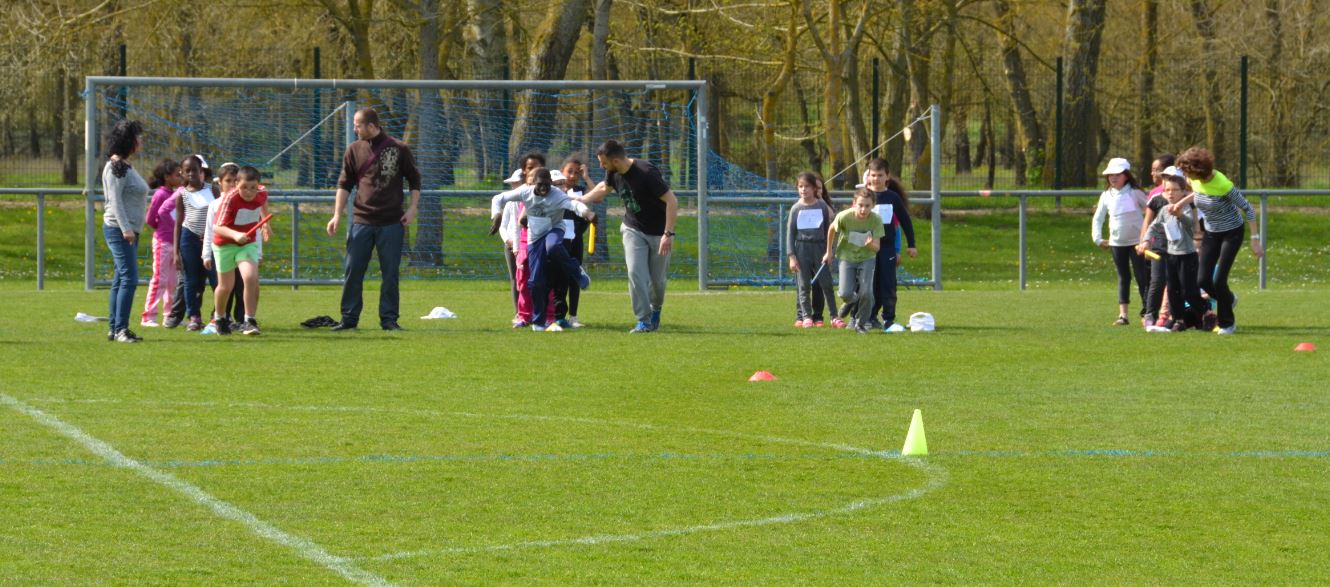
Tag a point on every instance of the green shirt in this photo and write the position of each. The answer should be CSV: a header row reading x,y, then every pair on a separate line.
x,y
847,227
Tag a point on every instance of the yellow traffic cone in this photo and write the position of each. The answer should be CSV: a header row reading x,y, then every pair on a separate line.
x,y
915,443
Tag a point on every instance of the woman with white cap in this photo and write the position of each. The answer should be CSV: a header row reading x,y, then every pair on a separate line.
x,y
1123,204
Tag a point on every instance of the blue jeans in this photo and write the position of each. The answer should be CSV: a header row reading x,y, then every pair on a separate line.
x,y
191,256
361,243
539,255
126,278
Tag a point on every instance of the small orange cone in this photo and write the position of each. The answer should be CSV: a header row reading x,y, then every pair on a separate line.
x,y
1305,347
762,376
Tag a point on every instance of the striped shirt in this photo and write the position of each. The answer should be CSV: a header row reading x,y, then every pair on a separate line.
x,y
1226,212
196,208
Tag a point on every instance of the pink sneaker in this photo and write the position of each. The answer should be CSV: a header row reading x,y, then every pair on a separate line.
x,y
807,323
798,324
819,324
838,323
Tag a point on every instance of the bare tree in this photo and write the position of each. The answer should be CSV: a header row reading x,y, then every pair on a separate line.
x,y
836,56
555,40
1085,25
1032,149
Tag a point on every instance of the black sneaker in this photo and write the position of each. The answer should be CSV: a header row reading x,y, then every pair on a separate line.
x,y
1121,321
223,326
249,328
126,335
110,336
392,326
874,324
342,326
171,322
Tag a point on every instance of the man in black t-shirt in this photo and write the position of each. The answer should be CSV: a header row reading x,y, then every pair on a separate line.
x,y
650,210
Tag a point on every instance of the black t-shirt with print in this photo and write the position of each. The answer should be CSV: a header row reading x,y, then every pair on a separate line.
x,y
641,189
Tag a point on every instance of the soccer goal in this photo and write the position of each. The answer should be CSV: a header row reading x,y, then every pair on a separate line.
x,y
467,137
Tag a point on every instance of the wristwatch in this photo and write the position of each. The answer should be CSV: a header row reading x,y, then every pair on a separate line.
x,y
669,233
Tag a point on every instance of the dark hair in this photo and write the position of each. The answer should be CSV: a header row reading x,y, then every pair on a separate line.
x,y
611,149
864,193
880,165
543,181
1197,162
1131,179
1167,159
167,167
227,170
572,159
124,137
812,178
537,155
1178,181
248,173
369,115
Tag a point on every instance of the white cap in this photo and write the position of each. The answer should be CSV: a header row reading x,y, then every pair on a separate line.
x,y
556,176
859,186
202,161
1116,165
516,177
922,322
1174,171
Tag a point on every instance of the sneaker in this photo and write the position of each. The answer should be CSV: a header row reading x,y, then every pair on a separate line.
x,y
110,336
211,328
807,323
874,324
249,328
521,324
343,326
819,324
861,330
171,322
127,336
149,323
554,327
641,328
572,321
1226,331
1153,328
537,328
195,324
655,319
798,323
1121,321
1162,321
837,323
893,328
224,326
391,327
1209,321
853,324
583,280
563,323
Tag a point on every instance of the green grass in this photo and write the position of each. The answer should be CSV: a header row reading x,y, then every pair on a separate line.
x,y
1063,450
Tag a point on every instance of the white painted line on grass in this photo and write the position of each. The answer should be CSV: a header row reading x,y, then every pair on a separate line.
x,y
304,547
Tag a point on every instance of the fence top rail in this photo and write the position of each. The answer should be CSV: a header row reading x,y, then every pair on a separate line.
x,y
1058,193
360,84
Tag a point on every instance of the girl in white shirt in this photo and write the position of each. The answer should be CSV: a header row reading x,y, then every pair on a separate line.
x,y
1123,204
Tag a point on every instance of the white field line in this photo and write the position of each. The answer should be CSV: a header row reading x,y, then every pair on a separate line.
x,y
304,547
936,475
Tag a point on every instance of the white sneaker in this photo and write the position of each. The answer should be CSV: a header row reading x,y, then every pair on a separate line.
x,y
894,328
1153,328
572,320
554,328
1226,331
149,323
538,328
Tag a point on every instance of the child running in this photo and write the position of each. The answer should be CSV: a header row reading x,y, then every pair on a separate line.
x,y
1122,204
1181,231
892,209
810,220
854,239
160,218
512,233
228,177
234,247
544,212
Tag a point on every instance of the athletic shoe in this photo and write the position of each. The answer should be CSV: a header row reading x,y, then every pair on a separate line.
x,y
807,323
1226,331
655,320
1153,328
127,336
1163,321
798,323
641,328
537,328
819,324
195,324
171,322
149,323
516,320
521,324
563,324
211,328
1210,321
1121,321
837,323
249,328
875,324
391,327
554,328
342,327
893,328
224,326
583,280
110,336
861,330
572,321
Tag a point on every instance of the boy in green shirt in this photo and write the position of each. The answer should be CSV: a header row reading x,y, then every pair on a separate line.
x,y
856,237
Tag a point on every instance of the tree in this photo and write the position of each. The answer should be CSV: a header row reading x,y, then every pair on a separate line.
x,y
836,56
555,40
1214,127
487,55
1032,150
1085,25
355,17
1145,89
774,91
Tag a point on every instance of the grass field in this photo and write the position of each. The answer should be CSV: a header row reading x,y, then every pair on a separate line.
x,y
1063,450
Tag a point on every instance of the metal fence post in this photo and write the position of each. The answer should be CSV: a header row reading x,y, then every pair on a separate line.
x,y
1023,242
41,241
936,180
89,180
703,228
295,245
1242,131
780,246
1264,238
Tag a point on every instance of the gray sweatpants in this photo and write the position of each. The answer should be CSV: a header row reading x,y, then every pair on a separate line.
x,y
809,254
647,271
856,286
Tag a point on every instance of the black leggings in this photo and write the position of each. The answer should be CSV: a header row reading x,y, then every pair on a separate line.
x,y
1219,249
1154,298
1128,265
1184,297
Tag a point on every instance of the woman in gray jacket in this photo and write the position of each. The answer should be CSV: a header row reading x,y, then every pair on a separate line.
x,y
126,207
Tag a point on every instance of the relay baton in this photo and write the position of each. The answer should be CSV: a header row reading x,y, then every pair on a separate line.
x,y
819,272
1151,255
591,242
249,234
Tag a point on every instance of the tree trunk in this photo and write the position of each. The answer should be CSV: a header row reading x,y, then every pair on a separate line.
x,y
1214,128
807,143
69,156
428,248
898,105
1032,134
773,93
487,54
600,34
1145,122
1085,24
555,40
1282,160
917,52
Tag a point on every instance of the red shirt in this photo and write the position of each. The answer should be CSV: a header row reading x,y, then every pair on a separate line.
x,y
237,214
